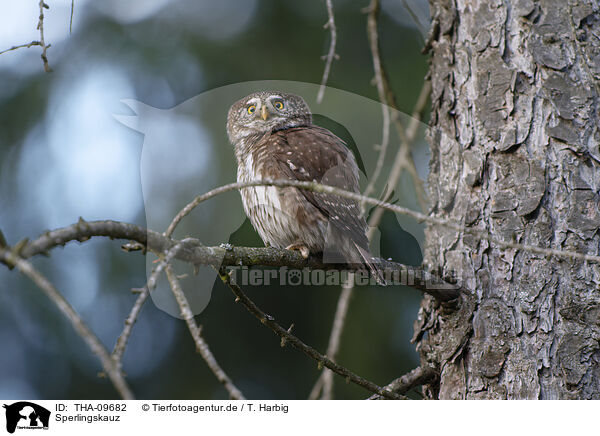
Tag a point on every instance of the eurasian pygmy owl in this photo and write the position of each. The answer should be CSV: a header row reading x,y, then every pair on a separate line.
x,y
274,138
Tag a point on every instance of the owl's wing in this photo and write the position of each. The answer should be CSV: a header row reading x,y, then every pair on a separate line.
x,y
312,153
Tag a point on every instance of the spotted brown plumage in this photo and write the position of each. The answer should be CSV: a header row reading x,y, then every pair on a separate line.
x,y
274,138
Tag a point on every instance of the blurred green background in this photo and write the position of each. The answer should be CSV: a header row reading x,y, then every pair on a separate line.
x,y
64,155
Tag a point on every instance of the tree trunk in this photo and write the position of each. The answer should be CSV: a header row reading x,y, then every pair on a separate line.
x,y
515,152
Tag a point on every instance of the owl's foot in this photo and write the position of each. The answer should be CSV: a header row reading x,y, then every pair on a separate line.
x,y
303,249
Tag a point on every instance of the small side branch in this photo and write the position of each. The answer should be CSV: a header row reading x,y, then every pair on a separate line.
x,y
40,43
92,341
31,44
331,53
417,377
298,344
40,27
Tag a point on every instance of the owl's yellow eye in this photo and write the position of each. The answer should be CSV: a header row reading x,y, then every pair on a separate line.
x,y
251,109
278,105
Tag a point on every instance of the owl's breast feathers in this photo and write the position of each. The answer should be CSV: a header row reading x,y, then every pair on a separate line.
x,y
306,153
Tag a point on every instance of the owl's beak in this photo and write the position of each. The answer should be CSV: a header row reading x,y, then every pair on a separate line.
x,y
263,113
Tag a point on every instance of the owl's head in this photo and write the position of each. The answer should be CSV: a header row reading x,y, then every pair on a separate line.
x,y
264,112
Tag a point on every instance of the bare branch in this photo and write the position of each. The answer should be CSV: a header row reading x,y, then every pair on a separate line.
x,y
41,42
201,345
31,44
382,153
144,292
269,321
385,139
71,18
331,54
315,392
192,251
373,34
195,202
119,349
78,324
40,27
417,377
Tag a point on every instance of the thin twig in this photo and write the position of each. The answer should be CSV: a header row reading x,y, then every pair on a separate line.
x,y
315,392
331,54
415,18
71,19
404,157
325,381
31,44
76,321
119,349
382,152
196,332
40,27
269,321
136,309
373,33
417,377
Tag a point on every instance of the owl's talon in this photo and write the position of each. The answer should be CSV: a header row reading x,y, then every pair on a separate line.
x,y
303,249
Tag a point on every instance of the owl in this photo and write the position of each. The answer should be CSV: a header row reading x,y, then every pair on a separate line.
x,y
274,138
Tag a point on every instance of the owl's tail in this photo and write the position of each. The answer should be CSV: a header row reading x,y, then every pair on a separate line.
x,y
374,268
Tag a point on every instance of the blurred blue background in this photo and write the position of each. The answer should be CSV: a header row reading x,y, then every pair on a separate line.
x,y
73,143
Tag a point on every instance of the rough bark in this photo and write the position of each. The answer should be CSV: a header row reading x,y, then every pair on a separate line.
x,y
515,151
